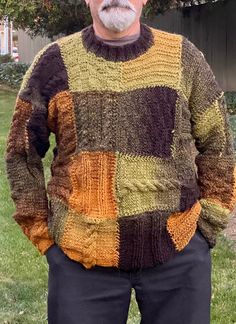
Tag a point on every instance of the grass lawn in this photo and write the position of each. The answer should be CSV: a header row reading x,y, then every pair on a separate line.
x,y
23,271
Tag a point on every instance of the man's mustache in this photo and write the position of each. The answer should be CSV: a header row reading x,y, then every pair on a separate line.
x,y
116,3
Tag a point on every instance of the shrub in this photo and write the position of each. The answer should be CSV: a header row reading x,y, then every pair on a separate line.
x,y
231,101
6,58
12,73
232,120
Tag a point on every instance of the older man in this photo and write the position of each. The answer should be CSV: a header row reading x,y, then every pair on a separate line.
x,y
126,207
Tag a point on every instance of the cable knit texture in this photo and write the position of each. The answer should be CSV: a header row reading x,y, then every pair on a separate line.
x,y
144,151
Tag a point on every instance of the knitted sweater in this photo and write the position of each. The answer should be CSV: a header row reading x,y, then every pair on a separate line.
x,y
144,153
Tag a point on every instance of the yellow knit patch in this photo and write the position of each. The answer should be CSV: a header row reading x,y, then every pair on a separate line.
x,y
91,241
210,120
163,68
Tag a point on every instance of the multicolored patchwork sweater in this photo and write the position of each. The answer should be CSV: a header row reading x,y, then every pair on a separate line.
x,y
144,152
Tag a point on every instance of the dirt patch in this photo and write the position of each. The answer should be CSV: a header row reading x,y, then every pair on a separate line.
x,y
5,87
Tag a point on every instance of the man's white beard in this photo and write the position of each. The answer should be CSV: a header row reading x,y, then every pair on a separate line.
x,y
117,19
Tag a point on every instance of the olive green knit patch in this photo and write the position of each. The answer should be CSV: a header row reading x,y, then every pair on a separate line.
x,y
57,218
145,183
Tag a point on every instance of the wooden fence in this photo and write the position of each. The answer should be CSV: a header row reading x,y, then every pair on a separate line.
x,y
212,28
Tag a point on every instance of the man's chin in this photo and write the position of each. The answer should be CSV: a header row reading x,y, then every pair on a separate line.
x,y
115,29
116,26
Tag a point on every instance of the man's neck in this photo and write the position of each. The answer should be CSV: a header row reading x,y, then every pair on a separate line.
x,y
104,33
121,41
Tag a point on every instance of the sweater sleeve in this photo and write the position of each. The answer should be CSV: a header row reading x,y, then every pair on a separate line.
x,y
27,144
215,159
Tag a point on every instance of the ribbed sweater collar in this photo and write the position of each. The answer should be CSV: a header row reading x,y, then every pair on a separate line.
x,y
118,53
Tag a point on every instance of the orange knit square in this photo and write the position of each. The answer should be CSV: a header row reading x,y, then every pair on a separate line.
x,y
92,179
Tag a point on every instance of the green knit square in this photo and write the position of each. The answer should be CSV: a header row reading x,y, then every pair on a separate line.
x,y
146,183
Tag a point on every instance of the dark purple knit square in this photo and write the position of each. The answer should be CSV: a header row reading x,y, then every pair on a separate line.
x,y
144,241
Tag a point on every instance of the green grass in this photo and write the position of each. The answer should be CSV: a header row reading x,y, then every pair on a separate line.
x,y
23,271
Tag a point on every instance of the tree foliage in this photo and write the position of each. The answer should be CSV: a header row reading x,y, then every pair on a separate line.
x,y
63,17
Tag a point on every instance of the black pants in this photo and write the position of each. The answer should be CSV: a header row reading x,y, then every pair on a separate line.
x,y
177,292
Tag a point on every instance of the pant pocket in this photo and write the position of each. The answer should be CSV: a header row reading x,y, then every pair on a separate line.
x,y
54,253
202,237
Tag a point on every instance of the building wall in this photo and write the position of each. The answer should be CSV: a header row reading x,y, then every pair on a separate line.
x,y
212,28
1,42
5,42
1,38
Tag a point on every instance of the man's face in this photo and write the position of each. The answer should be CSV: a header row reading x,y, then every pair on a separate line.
x,y
116,15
